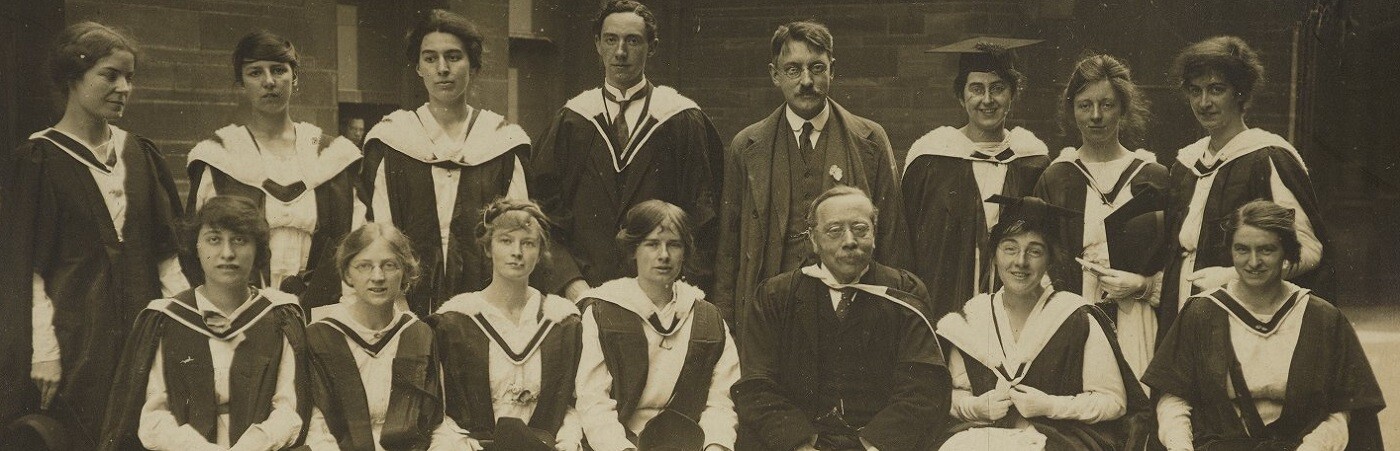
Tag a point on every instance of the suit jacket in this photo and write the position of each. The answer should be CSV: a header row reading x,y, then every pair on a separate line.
x,y
755,202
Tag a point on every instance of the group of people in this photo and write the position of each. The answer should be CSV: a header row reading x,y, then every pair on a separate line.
x,y
632,282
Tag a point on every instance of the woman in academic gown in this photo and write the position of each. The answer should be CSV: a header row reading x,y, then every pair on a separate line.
x,y
950,172
1232,166
1105,180
89,238
509,351
1034,367
1262,363
302,178
655,353
220,366
430,170
374,367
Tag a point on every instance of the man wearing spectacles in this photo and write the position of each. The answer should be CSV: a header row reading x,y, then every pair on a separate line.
x,y
839,355
775,168
617,145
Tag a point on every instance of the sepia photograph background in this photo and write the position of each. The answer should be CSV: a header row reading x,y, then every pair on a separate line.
x,y
1332,66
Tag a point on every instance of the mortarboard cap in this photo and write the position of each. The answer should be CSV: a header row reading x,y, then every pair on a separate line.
x,y
671,431
513,434
985,54
1135,230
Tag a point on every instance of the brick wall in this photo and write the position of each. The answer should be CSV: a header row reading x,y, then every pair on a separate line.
x,y
184,82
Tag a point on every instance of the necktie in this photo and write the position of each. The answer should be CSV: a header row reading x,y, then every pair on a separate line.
x,y
620,131
844,305
804,144
216,322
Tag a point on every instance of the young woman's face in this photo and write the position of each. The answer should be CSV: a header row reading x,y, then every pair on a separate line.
x,y
1021,262
987,100
376,274
659,256
268,85
227,257
1214,101
514,254
1097,113
104,89
1257,255
444,65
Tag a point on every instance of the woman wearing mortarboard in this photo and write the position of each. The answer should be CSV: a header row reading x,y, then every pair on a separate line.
x,y
949,171
1034,367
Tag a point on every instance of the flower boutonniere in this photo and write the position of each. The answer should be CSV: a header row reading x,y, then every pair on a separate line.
x,y
835,172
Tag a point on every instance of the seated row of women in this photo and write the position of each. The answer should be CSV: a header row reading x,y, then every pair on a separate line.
x,y
647,363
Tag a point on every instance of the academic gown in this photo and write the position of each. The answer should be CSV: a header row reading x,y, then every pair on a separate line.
x,y
175,327
397,175
1329,371
586,188
945,209
57,225
1050,355
320,206
1244,174
410,397
799,362
466,339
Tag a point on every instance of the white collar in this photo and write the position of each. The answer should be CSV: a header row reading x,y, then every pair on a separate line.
x,y
818,121
234,152
1242,144
972,330
627,293
626,93
555,308
205,305
950,142
823,275
117,140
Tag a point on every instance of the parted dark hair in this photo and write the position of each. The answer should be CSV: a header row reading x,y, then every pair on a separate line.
x,y
1006,70
1057,251
357,240
646,217
505,215
626,6
838,191
1133,102
234,214
77,49
262,45
442,21
1230,57
1269,217
812,32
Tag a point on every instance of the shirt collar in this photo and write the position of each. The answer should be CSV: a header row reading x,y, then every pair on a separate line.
x,y
629,92
528,315
205,305
818,122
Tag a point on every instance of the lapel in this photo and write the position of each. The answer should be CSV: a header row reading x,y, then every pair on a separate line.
x,y
636,170
849,150
768,185
91,194
601,159
812,298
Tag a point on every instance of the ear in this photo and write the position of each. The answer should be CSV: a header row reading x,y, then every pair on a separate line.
x,y
774,74
651,49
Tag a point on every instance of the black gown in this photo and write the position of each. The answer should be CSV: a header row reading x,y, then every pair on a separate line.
x,y
944,209
586,188
58,226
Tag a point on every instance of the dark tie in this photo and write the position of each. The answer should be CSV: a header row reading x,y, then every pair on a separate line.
x,y
1204,169
1001,157
216,322
804,144
844,305
620,131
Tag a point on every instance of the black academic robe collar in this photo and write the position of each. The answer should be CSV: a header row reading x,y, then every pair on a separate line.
x,y
823,275
1115,197
488,136
234,152
976,331
1221,296
185,311
662,104
1192,156
338,317
81,151
950,142
551,311
628,294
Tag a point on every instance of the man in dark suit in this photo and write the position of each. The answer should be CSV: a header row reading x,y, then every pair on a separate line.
x,y
840,354
777,166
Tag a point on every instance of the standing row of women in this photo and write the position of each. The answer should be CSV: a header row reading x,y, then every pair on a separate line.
x,y
440,340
